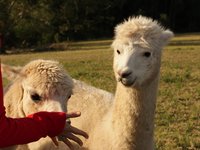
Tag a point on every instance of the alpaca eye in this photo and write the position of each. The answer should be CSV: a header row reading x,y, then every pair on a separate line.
x,y
147,54
69,96
118,52
35,97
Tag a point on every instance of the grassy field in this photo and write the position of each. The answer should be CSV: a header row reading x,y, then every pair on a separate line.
x,y
177,124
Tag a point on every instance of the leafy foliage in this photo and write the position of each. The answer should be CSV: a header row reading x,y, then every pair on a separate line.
x,y
25,23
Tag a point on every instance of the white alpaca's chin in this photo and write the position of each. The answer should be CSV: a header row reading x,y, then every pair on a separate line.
x,y
129,82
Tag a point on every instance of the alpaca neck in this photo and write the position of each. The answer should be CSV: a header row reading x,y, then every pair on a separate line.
x,y
133,115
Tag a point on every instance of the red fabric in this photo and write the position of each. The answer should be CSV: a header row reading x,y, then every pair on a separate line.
x,y
29,129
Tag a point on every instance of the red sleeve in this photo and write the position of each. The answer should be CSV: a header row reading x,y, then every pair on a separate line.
x,y
29,129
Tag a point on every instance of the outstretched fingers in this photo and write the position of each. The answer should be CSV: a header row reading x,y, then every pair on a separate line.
x,y
73,114
77,131
70,132
75,139
68,143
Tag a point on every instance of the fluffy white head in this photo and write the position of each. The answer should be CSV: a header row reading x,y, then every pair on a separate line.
x,y
137,50
45,86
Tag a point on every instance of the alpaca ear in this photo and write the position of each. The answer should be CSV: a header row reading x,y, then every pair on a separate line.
x,y
10,72
166,36
13,96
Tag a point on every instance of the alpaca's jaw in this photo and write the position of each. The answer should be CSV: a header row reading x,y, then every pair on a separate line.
x,y
129,82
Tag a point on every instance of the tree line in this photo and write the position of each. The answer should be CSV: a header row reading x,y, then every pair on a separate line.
x,y
26,23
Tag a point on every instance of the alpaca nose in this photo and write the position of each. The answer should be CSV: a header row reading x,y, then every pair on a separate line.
x,y
124,74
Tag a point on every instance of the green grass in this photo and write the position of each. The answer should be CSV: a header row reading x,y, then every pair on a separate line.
x,y
177,122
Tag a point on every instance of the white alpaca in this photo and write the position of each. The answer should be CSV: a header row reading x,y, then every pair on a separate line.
x,y
42,85
127,121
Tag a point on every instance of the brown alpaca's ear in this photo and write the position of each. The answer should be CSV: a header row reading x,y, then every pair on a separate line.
x,y
166,36
13,98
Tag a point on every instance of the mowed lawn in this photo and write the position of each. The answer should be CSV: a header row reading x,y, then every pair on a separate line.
x,y
177,123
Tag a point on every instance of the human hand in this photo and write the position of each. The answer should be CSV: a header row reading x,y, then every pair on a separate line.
x,y
70,132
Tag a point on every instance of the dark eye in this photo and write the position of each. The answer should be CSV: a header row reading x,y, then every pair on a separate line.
x,y
118,52
69,97
35,97
147,54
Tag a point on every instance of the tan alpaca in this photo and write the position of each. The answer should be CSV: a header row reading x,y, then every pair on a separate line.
x,y
127,121
41,85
